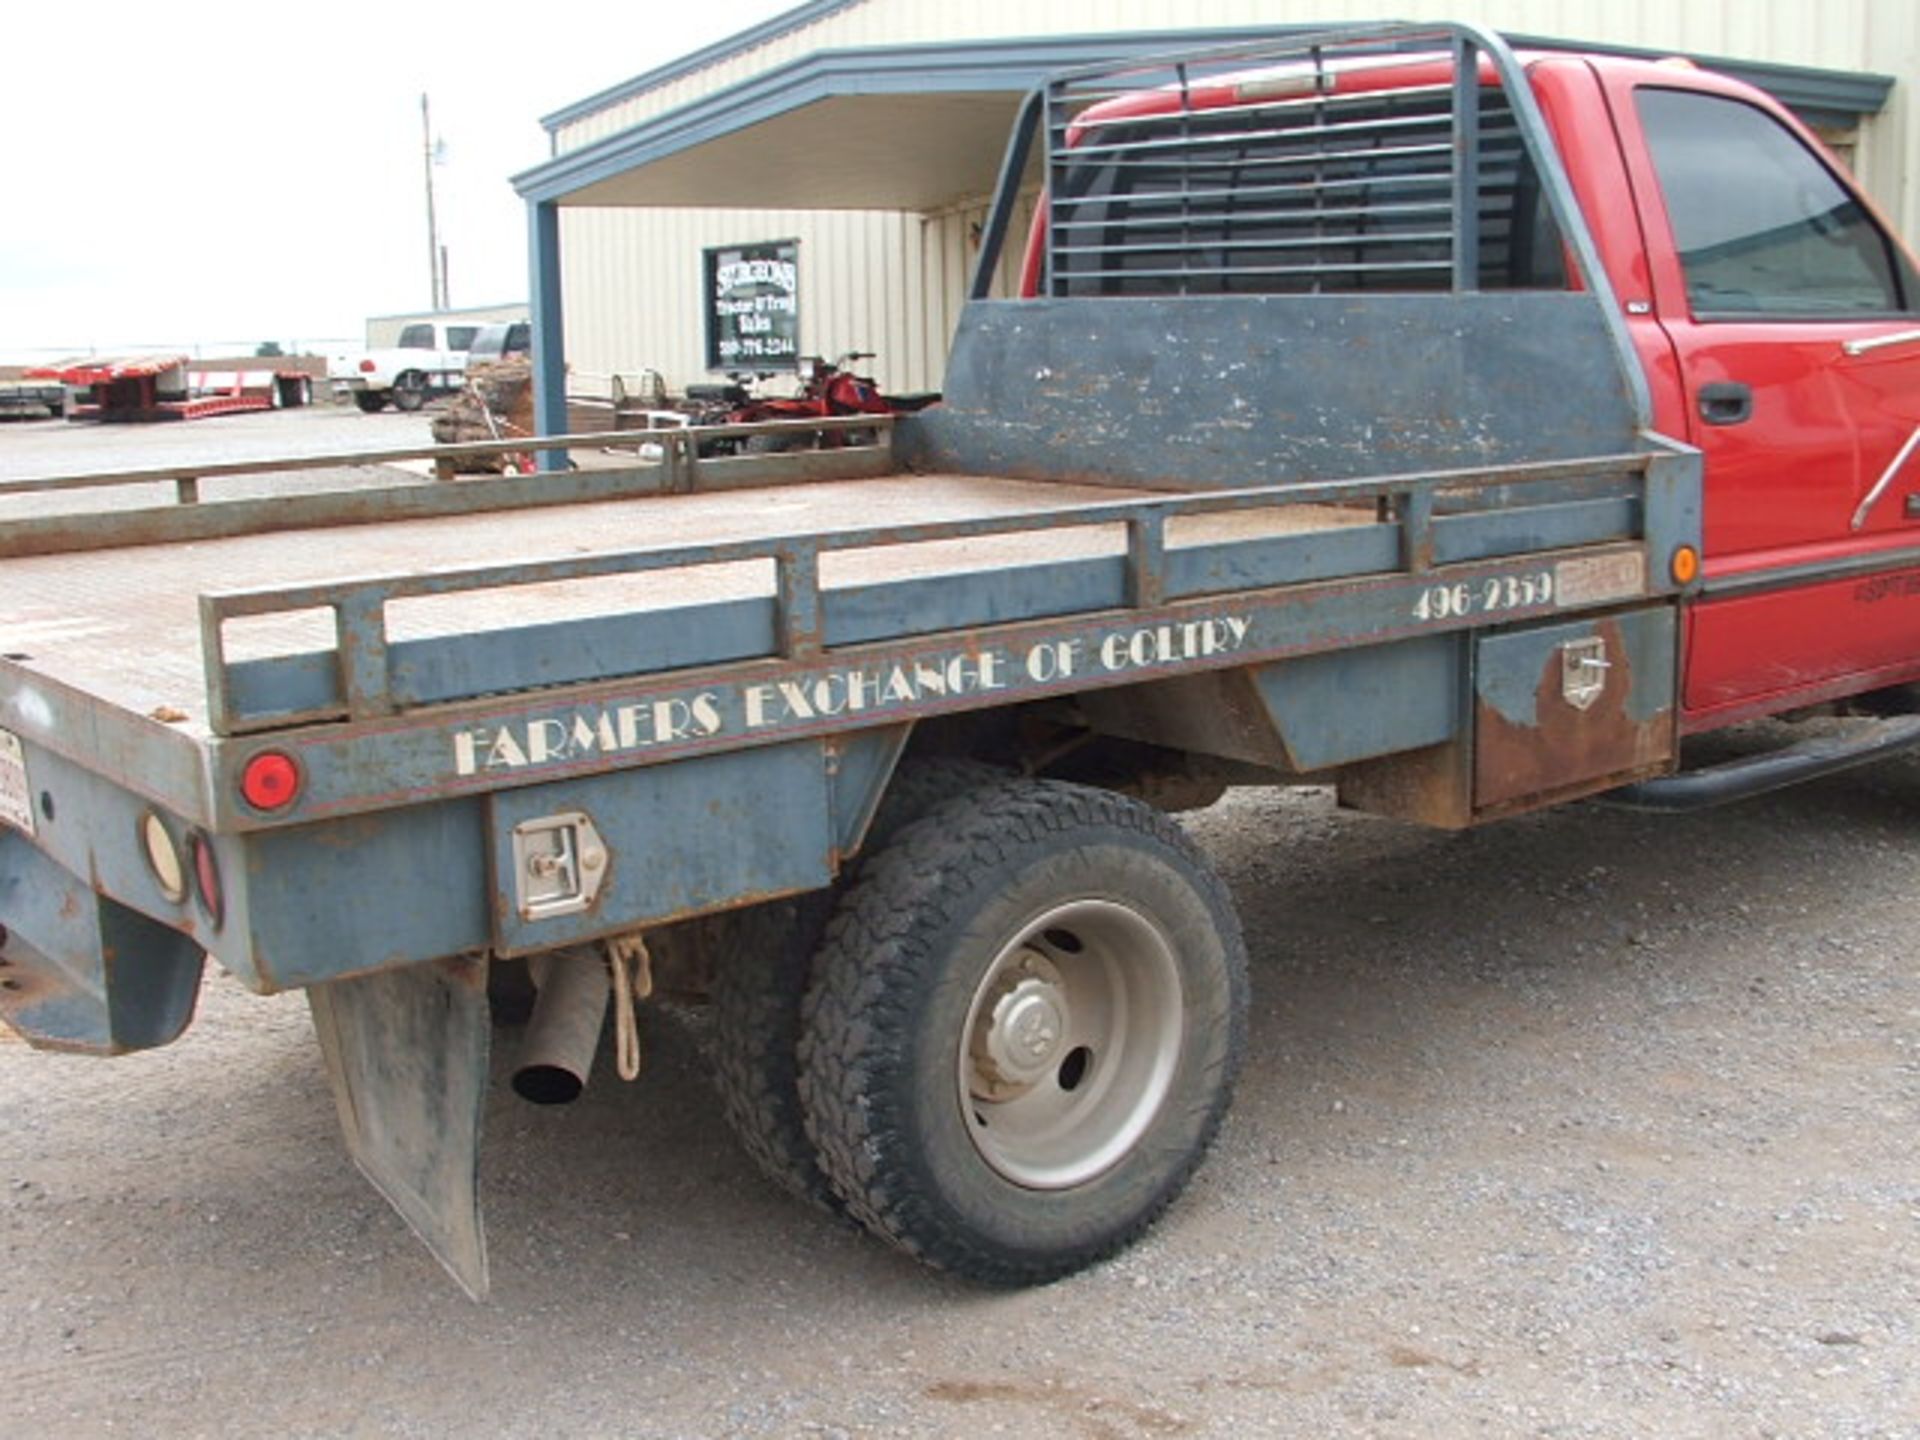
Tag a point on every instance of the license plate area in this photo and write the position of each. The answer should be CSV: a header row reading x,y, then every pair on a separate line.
x,y
16,790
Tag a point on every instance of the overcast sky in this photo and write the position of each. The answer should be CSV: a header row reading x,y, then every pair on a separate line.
x,y
181,174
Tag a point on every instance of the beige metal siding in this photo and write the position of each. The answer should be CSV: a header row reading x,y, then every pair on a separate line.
x,y
893,283
882,281
632,284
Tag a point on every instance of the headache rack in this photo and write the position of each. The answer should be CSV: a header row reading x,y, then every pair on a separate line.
x,y
1369,159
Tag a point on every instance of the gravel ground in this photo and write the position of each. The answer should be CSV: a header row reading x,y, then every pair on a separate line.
x,y
63,447
1589,1125
37,449
1592,1124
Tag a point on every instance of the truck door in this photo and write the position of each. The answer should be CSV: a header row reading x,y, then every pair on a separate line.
x,y
1791,312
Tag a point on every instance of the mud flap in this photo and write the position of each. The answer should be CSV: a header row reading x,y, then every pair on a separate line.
x,y
406,1054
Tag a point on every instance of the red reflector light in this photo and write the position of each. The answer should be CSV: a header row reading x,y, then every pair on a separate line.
x,y
270,781
206,878
366,367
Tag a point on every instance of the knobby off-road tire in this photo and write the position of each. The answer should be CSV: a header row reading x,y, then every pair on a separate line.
x,y
764,964
763,958
1024,1030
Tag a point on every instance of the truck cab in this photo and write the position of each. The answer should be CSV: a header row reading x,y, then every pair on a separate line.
x,y
427,360
1771,311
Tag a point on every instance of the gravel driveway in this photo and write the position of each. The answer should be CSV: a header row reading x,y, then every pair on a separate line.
x,y
1593,1124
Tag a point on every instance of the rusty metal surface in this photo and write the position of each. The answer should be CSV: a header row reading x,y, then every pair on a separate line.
x,y
1558,745
1428,787
1220,714
877,552
389,455
82,527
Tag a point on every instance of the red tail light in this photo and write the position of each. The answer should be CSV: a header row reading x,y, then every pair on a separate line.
x,y
270,781
367,367
206,878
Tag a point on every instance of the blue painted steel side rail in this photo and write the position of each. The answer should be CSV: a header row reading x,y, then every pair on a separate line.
x,y
499,743
190,515
1412,538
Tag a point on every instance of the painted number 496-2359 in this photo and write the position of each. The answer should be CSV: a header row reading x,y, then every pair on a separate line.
x,y
1484,597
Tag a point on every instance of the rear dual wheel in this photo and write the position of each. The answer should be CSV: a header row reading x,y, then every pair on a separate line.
x,y
1023,1030
763,968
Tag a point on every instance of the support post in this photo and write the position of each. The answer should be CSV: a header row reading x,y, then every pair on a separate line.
x,y
549,328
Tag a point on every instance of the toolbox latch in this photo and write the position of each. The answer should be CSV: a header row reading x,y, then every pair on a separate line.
x,y
1583,671
559,865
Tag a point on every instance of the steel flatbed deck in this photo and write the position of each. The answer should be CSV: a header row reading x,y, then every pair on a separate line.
x,y
124,624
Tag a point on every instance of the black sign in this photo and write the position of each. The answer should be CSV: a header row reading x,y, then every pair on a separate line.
x,y
753,306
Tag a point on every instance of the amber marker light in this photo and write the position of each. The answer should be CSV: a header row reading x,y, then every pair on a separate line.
x,y
270,781
1685,565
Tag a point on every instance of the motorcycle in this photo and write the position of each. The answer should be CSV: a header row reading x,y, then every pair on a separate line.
x,y
828,389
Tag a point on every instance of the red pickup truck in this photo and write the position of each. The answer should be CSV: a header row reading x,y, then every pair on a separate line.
x,y
1772,312
1775,317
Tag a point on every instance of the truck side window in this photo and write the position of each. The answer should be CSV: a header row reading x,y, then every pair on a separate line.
x,y
460,337
1762,226
416,337
1335,194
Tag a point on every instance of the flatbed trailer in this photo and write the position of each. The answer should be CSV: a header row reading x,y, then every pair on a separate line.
x,y
165,387
870,744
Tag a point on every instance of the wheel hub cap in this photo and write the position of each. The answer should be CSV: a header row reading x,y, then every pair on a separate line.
x,y
1072,1040
1021,1034
1026,1031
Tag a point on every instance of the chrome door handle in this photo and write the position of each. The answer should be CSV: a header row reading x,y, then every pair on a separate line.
x,y
1880,342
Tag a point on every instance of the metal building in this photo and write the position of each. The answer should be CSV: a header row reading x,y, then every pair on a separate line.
x,y
870,132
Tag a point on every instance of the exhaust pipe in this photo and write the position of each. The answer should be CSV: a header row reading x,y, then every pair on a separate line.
x,y
564,1034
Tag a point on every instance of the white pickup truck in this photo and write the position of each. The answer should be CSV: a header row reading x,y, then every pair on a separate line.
x,y
429,360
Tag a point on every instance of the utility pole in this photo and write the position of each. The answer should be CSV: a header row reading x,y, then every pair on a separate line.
x,y
436,282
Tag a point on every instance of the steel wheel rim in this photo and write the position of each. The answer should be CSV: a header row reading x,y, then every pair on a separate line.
x,y
1070,1044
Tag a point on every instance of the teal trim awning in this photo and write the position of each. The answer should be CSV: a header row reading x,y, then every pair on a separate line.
x,y
920,127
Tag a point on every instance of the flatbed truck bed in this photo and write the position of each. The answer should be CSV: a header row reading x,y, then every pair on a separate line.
x,y
124,624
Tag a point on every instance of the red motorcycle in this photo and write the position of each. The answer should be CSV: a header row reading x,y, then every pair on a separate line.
x,y
827,390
